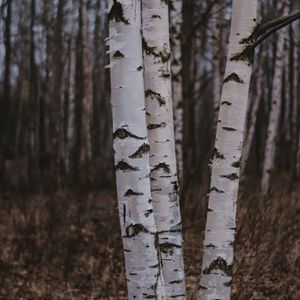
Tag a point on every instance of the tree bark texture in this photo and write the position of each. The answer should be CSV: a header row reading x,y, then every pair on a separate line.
x,y
131,151
221,217
159,111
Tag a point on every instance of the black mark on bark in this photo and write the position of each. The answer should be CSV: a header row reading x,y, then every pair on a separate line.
x,y
168,248
228,283
247,55
144,149
124,166
130,192
122,134
162,166
202,287
134,229
229,128
217,154
118,54
156,17
219,264
215,189
210,246
155,126
226,103
233,77
116,13
163,55
148,212
153,95
232,176
236,164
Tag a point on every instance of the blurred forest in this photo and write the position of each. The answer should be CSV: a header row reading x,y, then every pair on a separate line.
x,y
59,233
55,111
55,96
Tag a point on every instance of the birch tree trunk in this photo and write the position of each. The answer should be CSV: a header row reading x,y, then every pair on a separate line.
x,y
159,110
221,216
131,147
274,117
176,68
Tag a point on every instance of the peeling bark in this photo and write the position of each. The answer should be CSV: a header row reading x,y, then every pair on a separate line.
x,y
221,215
143,270
162,144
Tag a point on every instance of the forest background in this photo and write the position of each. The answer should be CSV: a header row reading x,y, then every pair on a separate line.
x,y
56,203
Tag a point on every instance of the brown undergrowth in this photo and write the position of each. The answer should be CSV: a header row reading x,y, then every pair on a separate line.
x,y
67,246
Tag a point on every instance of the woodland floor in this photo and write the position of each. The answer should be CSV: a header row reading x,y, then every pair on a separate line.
x,y
68,246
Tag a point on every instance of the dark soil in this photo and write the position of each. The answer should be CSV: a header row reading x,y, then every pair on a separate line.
x,y
68,246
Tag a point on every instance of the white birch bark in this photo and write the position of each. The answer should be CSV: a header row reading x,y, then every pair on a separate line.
x,y
159,110
176,69
131,147
274,117
221,216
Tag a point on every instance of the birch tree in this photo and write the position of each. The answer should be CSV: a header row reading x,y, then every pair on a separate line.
x,y
159,110
274,118
176,68
131,147
221,216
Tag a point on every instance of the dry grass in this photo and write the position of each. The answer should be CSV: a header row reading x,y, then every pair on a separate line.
x,y
67,246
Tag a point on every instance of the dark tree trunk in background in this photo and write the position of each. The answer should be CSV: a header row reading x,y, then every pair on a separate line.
x,y
33,136
5,140
58,134
83,100
188,120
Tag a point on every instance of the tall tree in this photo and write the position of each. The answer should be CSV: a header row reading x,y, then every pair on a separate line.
x,y
159,110
221,216
131,151
70,134
249,134
33,144
176,68
84,99
188,126
275,109
217,11
59,58
5,101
